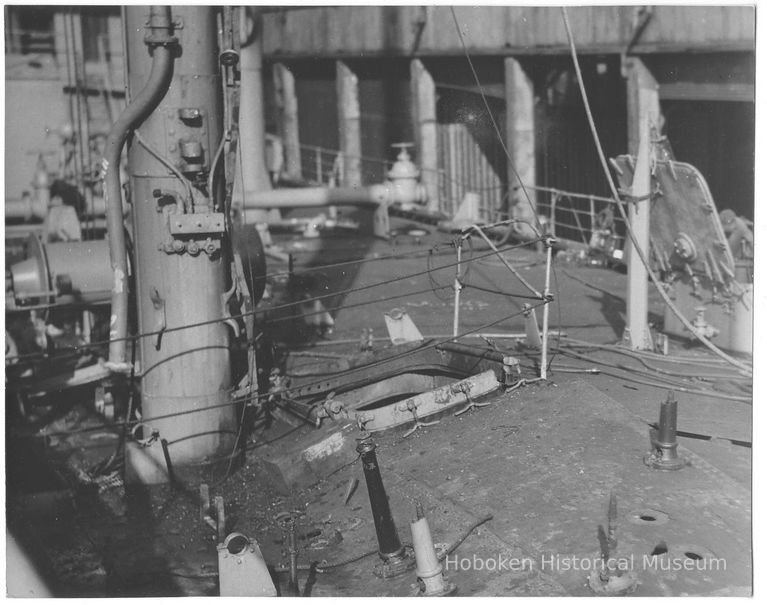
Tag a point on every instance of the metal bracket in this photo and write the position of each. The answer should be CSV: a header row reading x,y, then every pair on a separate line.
x,y
401,328
242,571
429,403
204,223
532,334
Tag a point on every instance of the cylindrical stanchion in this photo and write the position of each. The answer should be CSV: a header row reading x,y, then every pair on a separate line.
x,y
396,558
428,568
547,295
457,287
664,454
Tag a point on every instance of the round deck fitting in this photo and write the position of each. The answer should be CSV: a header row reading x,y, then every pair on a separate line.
x,y
615,585
693,552
658,461
397,564
647,516
448,589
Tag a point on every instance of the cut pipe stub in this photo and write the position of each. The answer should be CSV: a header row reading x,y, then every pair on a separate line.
x,y
664,454
431,580
395,558
236,543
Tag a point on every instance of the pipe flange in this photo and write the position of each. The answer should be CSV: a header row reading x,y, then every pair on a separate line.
x,y
447,589
662,459
615,585
397,564
648,516
684,247
159,39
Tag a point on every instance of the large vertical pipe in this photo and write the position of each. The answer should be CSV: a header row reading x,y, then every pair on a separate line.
x,y
185,372
520,141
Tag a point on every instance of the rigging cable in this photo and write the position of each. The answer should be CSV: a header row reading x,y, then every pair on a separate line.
x,y
287,390
271,309
513,168
640,253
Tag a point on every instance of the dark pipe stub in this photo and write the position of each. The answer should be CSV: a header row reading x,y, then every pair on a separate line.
x,y
395,558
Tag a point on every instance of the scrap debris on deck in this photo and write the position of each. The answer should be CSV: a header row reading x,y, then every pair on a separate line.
x,y
257,345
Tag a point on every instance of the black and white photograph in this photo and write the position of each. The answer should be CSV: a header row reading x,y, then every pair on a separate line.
x,y
464,305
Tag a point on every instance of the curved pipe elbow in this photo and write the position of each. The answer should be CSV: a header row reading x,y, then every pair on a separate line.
x,y
142,105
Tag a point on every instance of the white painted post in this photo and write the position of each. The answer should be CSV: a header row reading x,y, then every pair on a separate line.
x,y
644,110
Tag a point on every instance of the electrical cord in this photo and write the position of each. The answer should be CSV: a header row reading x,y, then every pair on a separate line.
x,y
655,383
641,359
649,355
169,165
322,566
613,190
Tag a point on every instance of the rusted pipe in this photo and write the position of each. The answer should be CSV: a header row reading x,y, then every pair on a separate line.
x,y
161,41
396,559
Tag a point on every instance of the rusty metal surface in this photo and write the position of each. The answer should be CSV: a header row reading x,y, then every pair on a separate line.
x,y
543,460
429,403
684,206
559,451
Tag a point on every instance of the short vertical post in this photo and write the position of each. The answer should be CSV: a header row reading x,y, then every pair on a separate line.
x,y
548,298
553,214
457,289
396,558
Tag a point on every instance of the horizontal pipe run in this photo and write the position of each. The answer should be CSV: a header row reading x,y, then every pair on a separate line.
x,y
312,197
25,209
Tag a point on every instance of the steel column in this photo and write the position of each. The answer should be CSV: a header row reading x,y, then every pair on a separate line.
x,y
287,104
183,372
520,141
349,124
424,110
